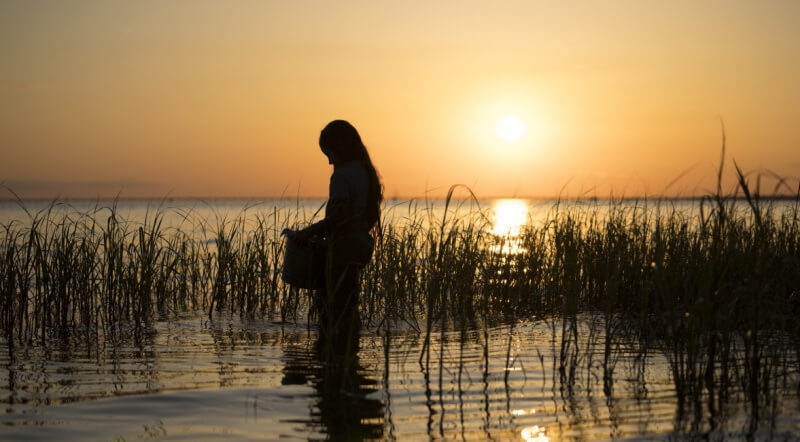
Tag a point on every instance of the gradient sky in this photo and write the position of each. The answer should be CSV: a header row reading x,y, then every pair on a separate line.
x,y
211,99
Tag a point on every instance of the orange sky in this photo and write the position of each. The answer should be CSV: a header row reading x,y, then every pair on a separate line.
x,y
196,98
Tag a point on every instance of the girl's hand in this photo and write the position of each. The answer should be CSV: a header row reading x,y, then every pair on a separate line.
x,y
301,236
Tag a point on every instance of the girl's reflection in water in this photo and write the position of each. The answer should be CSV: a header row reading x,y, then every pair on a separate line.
x,y
331,366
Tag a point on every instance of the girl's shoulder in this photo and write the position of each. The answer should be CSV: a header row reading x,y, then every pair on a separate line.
x,y
351,169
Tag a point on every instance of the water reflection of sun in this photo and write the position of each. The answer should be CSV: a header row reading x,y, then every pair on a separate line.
x,y
534,433
509,215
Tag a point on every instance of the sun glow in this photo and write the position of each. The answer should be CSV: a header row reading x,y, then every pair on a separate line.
x,y
510,128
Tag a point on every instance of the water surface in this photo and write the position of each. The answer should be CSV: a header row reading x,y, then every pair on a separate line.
x,y
194,378
188,376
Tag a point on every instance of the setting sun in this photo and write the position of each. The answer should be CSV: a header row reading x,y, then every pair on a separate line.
x,y
510,128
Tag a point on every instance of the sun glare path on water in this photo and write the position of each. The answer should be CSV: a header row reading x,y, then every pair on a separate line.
x,y
534,433
509,215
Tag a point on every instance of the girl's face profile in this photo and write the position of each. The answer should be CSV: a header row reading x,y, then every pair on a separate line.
x,y
328,154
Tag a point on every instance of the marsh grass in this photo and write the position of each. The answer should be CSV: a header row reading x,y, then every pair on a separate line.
x,y
716,289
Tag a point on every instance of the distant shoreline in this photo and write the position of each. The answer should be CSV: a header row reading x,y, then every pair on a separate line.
x,y
402,199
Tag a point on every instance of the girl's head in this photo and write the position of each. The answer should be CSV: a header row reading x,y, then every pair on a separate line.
x,y
340,142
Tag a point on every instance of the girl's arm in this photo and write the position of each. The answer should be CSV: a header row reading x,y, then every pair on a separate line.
x,y
335,212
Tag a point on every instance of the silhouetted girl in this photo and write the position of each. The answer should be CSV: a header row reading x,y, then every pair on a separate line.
x,y
351,215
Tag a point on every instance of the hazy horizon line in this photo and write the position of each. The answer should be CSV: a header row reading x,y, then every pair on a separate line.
x,y
774,196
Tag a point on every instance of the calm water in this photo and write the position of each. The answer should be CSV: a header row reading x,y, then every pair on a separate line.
x,y
188,377
193,378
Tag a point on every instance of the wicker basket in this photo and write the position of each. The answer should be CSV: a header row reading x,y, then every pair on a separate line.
x,y
303,264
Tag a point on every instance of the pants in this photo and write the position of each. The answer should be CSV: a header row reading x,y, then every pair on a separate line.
x,y
337,301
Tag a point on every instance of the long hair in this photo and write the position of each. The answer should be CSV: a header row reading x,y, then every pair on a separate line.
x,y
343,139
